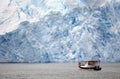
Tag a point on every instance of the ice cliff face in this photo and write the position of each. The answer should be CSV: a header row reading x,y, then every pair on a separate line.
x,y
61,31
12,12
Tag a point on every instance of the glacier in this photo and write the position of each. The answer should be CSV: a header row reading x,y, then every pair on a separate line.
x,y
47,31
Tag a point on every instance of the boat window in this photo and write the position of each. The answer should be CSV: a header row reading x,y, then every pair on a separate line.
x,y
91,63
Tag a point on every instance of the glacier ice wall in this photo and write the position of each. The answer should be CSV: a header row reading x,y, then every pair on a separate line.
x,y
85,31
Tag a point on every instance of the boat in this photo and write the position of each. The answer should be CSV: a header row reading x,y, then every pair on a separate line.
x,y
90,64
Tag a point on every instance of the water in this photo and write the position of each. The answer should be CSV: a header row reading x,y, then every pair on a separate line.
x,y
57,71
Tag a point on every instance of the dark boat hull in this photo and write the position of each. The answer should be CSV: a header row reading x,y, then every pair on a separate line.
x,y
95,68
